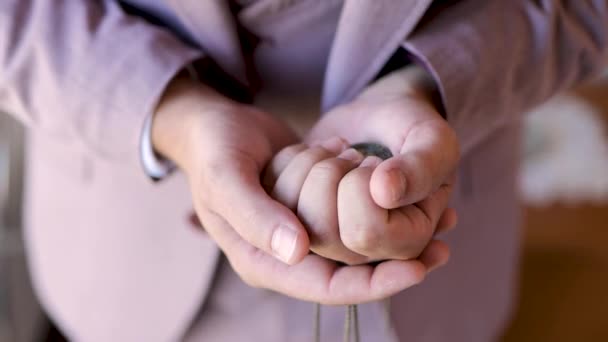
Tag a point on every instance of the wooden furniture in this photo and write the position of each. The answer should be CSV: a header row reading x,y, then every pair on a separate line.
x,y
564,272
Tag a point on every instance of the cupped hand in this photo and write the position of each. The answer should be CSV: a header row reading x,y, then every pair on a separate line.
x,y
222,147
328,186
408,193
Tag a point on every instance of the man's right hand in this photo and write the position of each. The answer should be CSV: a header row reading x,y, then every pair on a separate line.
x,y
223,146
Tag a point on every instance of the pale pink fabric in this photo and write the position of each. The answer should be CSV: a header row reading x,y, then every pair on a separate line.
x,y
112,255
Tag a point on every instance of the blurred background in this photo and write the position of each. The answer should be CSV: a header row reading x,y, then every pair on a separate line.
x,y
564,187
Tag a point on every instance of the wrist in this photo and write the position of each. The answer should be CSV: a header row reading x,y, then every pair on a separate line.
x,y
411,81
425,86
177,120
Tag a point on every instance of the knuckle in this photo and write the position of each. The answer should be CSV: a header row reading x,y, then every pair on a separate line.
x,y
422,227
419,178
353,179
321,237
314,154
362,238
322,230
325,169
290,151
252,218
420,235
261,236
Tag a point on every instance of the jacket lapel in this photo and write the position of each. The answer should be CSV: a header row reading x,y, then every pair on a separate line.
x,y
368,33
216,34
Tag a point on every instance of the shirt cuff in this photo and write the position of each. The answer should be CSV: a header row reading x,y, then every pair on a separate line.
x,y
154,166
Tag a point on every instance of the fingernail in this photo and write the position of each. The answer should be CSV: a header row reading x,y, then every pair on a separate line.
x,y
371,161
352,155
283,243
335,144
397,178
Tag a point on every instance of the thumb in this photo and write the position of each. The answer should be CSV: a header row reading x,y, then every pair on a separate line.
x,y
427,159
238,197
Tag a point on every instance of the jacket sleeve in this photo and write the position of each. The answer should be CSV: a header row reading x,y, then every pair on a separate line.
x,y
85,72
494,59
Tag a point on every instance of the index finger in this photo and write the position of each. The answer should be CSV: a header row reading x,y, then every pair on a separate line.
x,y
315,278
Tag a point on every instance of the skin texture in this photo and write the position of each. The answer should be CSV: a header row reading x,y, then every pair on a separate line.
x,y
328,186
224,147
378,210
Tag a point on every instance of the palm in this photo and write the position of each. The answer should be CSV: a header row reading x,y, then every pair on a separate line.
x,y
366,120
414,186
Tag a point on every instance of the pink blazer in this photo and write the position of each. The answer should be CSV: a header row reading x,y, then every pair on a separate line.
x,y
112,255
